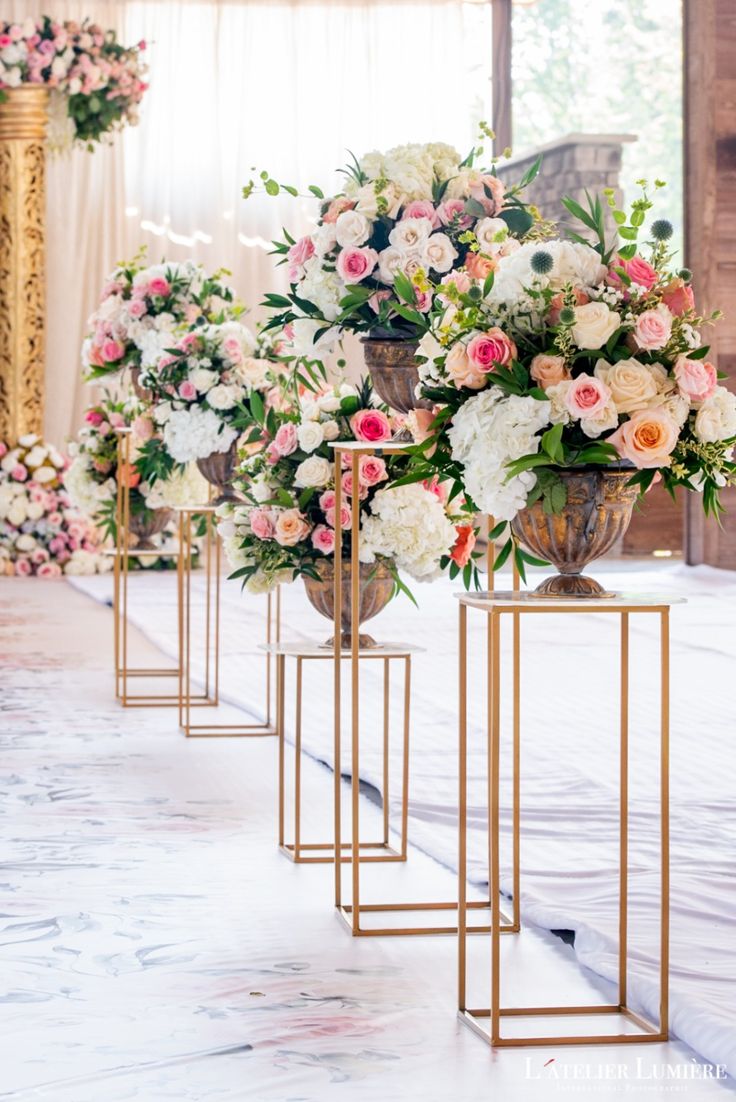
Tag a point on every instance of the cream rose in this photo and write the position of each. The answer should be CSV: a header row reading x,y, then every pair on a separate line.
x,y
310,435
439,252
223,397
314,471
290,528
594,324
253,372
491,234
410,233
460,369
633,385
352,228
203,379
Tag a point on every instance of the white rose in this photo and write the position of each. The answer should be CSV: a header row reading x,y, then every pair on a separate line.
x,y
35,456
310,435
162,412
45,474
716,418
440,252
352,228
253,372
633,385
35,510
604,422
410,233
390,261
203,379
12,77
430,347
28,440
17,512
330,430
314,471
594,324
368,200
491,233
261,489
25,543
223,397
330,402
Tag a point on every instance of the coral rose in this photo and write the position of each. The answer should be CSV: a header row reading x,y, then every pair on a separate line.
x,y
464,544
477,266
647,439
291,528
460,369
678,297
548,370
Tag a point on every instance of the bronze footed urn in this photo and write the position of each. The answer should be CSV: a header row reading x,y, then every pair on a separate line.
x,y
376,590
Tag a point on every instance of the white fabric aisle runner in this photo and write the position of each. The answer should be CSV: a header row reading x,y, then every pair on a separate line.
x,y
569,796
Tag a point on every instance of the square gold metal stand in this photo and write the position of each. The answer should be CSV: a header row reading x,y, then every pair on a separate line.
x,y
302,852
487,1022
354,907
123,670
204,517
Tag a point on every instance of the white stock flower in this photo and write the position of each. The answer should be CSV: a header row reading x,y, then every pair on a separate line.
x,y
489,431
314,471
352,228
409,525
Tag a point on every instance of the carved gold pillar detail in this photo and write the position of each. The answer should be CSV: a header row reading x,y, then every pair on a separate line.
x,y
22,260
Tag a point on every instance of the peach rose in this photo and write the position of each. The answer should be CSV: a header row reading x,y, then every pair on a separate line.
x,y
647,439
128,475
696,379
460,369
491,349
548,370
489,191
678,297
336,207
291,528
653,329
587,397
477,266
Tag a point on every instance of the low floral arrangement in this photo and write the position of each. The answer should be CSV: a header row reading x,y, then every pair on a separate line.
x,y
40,531
96,83
144,310
286,526
417,212
94,476
570,355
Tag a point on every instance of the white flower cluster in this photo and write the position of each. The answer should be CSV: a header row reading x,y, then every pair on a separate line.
x,y
409,525
489,431
42,462
410,168
571,263
84,490
195,433
186,487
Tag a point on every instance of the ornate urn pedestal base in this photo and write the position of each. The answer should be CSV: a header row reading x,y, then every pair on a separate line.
x,y
144,526
376,588
598,511
219,469
23,119
394,372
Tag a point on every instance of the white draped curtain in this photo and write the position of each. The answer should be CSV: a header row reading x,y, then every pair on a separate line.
x,y
282,85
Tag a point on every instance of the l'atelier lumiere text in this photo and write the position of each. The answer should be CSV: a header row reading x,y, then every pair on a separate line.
x,y
641,1070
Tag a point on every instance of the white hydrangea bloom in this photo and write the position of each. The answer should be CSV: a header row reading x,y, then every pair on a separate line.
x,y
409,525
196,433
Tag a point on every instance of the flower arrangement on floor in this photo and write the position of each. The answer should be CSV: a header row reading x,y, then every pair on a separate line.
x,y
572,357
96,83
286,526
145,309
94,476
41,532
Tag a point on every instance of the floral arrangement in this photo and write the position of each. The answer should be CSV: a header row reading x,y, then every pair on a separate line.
x,y
144,310
93,478
96,82
40,531
286,525
414,215
569,355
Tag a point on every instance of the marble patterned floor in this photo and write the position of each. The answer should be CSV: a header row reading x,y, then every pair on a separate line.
x,y
154,945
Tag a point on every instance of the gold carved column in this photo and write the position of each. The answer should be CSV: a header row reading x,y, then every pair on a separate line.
x,y
22,260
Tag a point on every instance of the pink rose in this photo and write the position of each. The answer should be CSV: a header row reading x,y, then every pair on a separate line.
x,y
3,449
23,567
421,208
489,192
587,396
434,486
117,420
377,298
143,427
187,391
57,544
49,570
696,379
323,539
159,286
19,472
452,213
372,470
233,348
39,555
54,519
678,297
92,417
327,500
354,264
653,329
300,251
347,486
370,425
285,441
112,351
422,300
491,349
103,428
548,370
647,439
460,280
639,271
336,207
346,515
137,307
187,343
261,523
460,369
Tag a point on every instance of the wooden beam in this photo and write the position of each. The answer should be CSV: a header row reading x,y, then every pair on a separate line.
x,y
501,74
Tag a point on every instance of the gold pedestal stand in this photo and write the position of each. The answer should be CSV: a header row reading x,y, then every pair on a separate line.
x,y
205,516
487,1021
354,907
302,852
123,671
